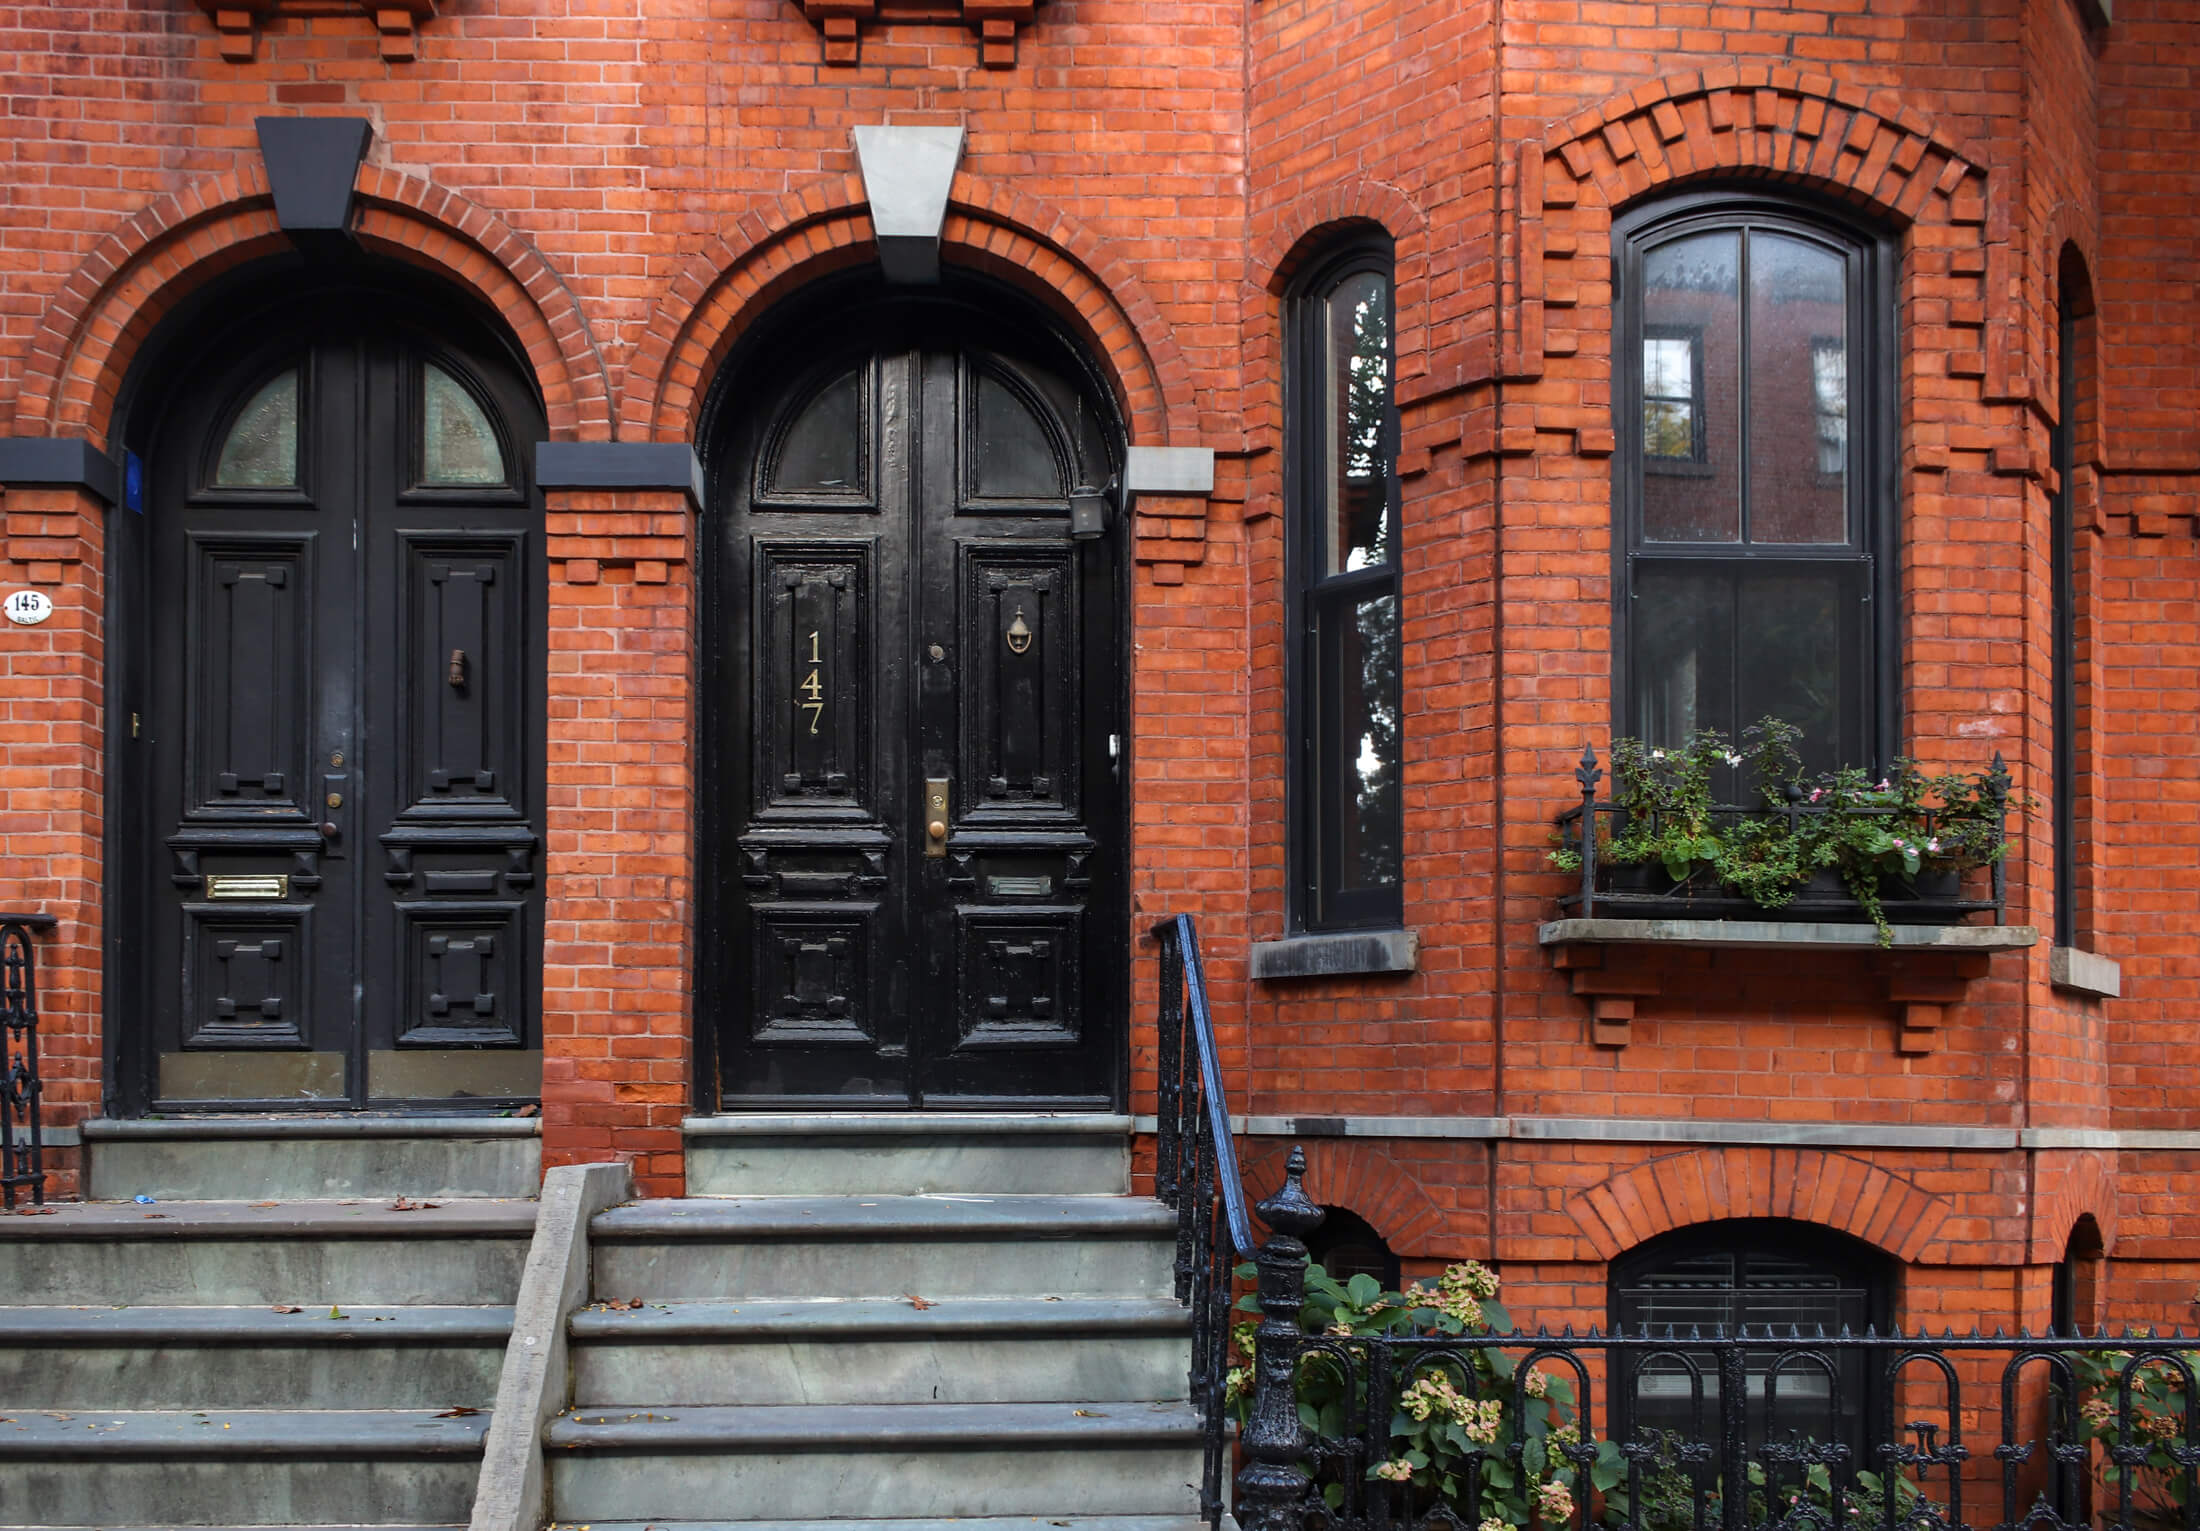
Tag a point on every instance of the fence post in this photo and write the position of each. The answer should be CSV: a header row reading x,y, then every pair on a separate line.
x,y
22,1118
1271,1490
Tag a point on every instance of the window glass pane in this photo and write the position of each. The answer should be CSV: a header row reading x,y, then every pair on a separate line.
x,y
1691,386
1365,744
1791,642
1682,666
823,449
1358,534
1014,451
458,444
262,449
1798,391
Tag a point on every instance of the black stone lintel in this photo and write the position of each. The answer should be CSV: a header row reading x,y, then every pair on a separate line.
x,y
65,461
312,163
1330,956
620,465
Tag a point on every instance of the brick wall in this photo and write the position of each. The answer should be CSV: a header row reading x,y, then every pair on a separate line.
x,y
632,186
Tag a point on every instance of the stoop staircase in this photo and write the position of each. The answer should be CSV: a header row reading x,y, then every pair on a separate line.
x,y
930,1318
312,1356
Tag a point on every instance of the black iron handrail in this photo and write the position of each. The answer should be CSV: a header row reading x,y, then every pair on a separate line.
x,y
1196,1172
1578,829
22,1118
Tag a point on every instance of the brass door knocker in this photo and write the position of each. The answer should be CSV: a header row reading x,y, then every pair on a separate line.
x,y
1018,634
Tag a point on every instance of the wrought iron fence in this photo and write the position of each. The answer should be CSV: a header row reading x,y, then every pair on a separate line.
x,y
22,1123
1701,1431
1584,827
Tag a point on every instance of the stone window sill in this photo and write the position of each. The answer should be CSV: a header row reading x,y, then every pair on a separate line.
x,y
1338,954
1927,968
2078,971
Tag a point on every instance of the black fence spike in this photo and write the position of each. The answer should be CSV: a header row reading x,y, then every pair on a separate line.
x,y
1845,1332
1566,1333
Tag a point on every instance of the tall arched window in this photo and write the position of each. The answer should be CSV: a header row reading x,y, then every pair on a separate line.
x,y
1750,1272
1342,435
1754,499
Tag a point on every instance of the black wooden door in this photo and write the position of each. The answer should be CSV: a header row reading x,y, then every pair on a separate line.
x,y
340,742
919,874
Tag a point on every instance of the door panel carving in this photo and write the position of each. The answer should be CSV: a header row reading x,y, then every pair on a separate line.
x,y
240,992
465,703
919,891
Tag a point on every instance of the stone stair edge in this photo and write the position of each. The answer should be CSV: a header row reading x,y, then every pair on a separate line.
x,y
256,1324
948,1523
775,1320
232,1128
57,1435
825,1126
796,1217
349,1217
874,1427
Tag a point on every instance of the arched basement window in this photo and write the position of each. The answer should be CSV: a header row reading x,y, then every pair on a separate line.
x,y
1750,1274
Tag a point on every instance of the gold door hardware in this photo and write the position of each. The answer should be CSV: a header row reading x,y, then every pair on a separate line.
x,y
1019,633
457,676
247,885
935,816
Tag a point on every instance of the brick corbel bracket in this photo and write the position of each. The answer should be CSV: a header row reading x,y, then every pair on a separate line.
x,y
1926,971
1168,490
396,22
626,504
995,21
41,529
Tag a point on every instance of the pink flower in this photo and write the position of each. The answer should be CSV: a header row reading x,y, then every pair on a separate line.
x,y
1816,793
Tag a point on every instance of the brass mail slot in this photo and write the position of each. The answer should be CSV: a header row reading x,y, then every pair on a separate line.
x,y
254,885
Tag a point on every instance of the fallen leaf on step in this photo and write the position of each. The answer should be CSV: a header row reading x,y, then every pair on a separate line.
x,y
57,1414
628,1306
404,1204
533,1111
333,1313
1089,1413
267,1204
156,1214
34,1212
919,1303
459,1412
288,1307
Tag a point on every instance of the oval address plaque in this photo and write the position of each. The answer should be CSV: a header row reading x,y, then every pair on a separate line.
x,y
28,608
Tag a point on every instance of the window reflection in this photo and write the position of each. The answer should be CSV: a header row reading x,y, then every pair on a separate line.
x,y
458,446
1366,728
1359,398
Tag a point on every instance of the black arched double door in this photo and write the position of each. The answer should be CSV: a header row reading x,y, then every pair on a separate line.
x,y
334,896
916,866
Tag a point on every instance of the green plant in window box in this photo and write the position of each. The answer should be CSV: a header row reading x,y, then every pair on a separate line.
x,y
1466,1410
1911,834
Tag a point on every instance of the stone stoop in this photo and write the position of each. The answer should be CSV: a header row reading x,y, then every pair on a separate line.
x,y
260,1362
858,1327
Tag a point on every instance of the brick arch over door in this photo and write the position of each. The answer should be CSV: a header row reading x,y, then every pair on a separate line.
x,y
738,275
1806,1184
103,312
1364,1179
1743,124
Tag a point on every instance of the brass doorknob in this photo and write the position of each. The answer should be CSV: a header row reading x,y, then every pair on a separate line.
x,y
937,829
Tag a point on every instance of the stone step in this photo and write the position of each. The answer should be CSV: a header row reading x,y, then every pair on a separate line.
x,y
792,1247
840,1461
908,1153
974,1523
289,1158
956,1350
184,1358
106,1254
240,1467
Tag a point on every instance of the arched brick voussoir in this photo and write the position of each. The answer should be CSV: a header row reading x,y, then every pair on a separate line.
x,y
1277,251
1363,1178
1774,123
766,253
2070,1187
137,273
1712,1184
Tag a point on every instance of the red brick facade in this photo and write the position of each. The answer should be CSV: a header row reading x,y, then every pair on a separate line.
x,y
631,187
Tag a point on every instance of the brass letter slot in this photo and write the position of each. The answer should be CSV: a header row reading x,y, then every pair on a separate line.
x,y
935,816
251,885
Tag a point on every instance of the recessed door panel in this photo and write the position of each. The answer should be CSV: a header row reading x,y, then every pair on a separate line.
x,y
919,898
250,648
461,666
